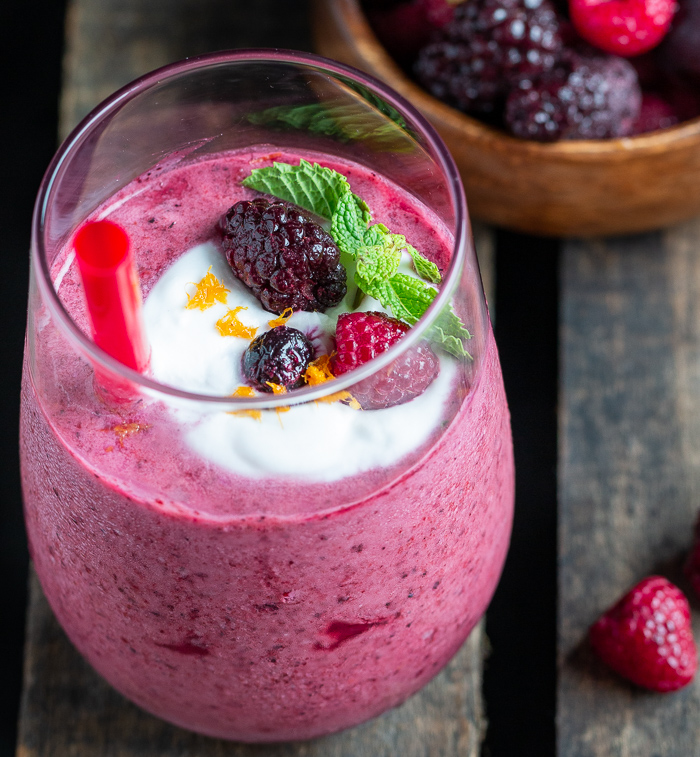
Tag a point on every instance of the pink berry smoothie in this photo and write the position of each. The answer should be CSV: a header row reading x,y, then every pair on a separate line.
x,y
249,608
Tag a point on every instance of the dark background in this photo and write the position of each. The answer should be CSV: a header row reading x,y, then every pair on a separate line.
x,y
520,671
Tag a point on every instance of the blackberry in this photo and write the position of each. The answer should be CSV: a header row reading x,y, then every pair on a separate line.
x,y
488,47
278,356
587,96
284,257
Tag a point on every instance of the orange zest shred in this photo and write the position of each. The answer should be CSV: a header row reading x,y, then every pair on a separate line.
x,y
277,389
230,325
246,391
318,372
207,292
345,397
123,430
287,313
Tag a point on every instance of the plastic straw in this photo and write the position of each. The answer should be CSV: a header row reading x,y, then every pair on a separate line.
x,y
112,292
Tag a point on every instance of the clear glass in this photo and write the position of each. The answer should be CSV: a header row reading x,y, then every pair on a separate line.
x,y
269,603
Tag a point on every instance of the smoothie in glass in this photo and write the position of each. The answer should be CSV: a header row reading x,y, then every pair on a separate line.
x,y
272,567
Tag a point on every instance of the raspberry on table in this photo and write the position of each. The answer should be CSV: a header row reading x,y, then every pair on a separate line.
x,y
622,27
360,337
488,47
279,356
647,638
587,96
283,256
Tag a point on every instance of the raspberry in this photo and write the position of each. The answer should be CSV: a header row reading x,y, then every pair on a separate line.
x,y
656,113
360,337
488,47
278,356
646,636
284,257
587,96
622,27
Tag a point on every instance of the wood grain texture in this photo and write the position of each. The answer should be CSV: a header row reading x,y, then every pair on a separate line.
x,y
67,710
629,474
574,187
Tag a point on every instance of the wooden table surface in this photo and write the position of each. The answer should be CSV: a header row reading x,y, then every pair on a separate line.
x,y
628,468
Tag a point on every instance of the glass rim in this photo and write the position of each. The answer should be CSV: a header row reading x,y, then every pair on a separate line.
x,y
99,358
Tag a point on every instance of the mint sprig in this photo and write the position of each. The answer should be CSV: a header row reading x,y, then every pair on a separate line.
x,y
345,121
311,187
370,252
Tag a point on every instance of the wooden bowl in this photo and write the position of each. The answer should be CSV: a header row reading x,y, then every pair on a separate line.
x,y
569,188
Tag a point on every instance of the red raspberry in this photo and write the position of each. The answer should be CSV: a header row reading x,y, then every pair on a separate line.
x,y
622,27
360,337
646,636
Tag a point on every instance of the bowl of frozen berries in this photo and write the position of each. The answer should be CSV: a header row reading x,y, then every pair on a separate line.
x,y
565,117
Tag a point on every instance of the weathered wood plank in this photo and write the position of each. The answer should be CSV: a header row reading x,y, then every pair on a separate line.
x,y
67,710
629,473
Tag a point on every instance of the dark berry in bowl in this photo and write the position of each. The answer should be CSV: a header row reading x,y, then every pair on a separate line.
x,y
488,47
587,96
656,114
680,51
360,337
562,188
279,356
283,256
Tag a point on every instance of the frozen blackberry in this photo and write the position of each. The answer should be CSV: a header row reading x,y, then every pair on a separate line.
x,y
587,96
284,257
279,356
488,47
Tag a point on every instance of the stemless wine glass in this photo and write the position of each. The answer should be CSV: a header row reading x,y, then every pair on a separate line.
x,y
341,565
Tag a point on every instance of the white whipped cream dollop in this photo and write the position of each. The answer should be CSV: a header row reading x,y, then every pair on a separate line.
x,y
313,441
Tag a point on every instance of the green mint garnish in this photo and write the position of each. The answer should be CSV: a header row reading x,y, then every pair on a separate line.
x,y
371,253
311,187
345,121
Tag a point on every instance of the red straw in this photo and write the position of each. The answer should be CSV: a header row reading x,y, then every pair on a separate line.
x,y
112,292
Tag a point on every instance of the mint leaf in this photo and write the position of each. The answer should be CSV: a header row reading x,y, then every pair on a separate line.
x,y
414,295
346,121
406,296
376,235
376,263
425,268
449,333
349,224
312,187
